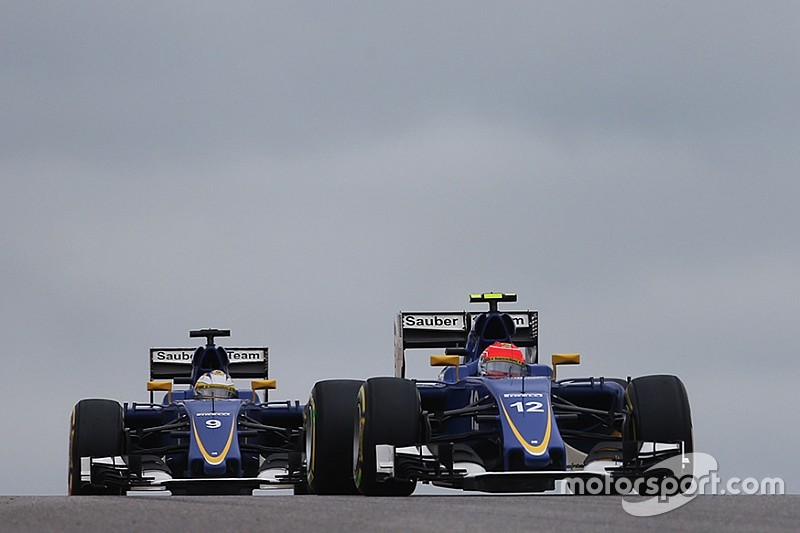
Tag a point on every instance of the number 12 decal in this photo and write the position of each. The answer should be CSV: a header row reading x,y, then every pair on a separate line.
x,y
529,407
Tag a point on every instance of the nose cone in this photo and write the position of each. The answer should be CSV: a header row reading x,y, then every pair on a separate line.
x,y
214,439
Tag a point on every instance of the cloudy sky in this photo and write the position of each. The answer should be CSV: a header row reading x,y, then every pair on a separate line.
x,y
300,172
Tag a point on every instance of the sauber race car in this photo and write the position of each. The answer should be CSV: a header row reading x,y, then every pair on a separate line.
x,y
205,437
496,420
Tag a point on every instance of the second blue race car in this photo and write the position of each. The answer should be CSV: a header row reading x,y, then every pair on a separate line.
x,y
205,436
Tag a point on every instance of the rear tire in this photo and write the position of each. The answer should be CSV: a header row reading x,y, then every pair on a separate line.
x,y
96,430
388,413
328,422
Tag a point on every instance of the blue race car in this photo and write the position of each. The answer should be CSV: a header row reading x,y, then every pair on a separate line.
x,y
496,420
206,438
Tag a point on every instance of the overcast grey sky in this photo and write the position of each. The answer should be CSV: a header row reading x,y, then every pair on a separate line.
x,y
299,172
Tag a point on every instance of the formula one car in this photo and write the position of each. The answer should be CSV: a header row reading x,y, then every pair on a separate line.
x,y
207,438
496,420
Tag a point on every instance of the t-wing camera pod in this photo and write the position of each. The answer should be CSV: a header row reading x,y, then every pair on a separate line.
x,y
209,334
493,298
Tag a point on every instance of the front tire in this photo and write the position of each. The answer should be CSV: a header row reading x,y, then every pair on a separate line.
x,y
658,411
328,422
388,413
96,430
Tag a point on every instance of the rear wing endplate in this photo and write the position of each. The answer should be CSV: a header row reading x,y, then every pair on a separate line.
x,y
450,330
176,363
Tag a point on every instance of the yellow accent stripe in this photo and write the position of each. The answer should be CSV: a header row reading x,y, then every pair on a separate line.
x,y
214,460
533,450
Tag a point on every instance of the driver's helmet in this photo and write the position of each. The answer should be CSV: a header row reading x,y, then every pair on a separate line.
x,y
214,384
502,359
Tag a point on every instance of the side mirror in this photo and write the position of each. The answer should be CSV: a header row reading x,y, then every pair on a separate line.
x,y
446,360
262,384
564,359
165,386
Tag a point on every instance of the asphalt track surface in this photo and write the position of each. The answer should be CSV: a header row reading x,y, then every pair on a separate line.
x,y
446,513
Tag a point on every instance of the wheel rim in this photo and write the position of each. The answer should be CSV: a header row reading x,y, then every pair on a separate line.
x,y
358,440
310,437
71,480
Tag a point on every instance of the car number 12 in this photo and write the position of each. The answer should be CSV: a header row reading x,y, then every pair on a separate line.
x,y
528,407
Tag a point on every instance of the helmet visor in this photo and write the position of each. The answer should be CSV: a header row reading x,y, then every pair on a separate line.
x,y
213,390
502,368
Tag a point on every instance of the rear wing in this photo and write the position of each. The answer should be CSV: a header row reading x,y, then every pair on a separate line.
x,y
450,330
176,363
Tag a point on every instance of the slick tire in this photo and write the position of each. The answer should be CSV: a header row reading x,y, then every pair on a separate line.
x,y
658,411
96,430
388,413
328,423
